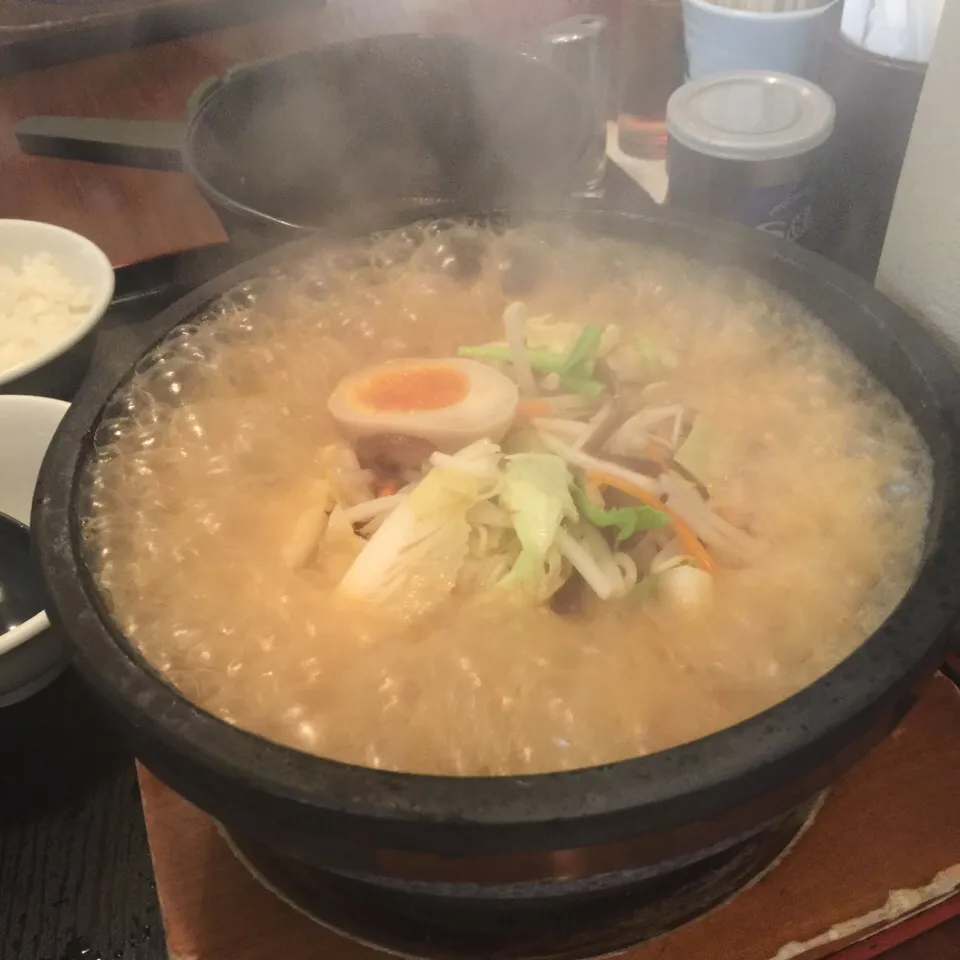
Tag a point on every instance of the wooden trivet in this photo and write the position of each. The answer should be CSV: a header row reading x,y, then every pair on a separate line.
x,y
882,856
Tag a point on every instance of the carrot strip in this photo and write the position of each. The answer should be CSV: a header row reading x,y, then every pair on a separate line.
x,y
689,541
532,409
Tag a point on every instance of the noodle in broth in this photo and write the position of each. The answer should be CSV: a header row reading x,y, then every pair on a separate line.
x,y
203,528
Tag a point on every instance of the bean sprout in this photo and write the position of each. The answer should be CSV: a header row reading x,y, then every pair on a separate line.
x,y
629,570
585,565
514,320
587,462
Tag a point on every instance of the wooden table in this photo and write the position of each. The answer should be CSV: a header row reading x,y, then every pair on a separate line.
x,y
942,943
139,214
133,214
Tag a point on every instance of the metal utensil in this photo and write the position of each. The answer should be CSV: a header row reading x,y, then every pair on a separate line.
x,y
21,596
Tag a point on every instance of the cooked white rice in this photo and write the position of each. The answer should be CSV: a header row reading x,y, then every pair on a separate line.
x,y
39,308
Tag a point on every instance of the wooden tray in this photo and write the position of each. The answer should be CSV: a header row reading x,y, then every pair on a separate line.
x,y
883,855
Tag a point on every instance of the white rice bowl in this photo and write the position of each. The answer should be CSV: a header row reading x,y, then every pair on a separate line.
x,y
54,287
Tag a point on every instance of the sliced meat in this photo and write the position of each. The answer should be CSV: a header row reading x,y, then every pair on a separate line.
x,y
393,453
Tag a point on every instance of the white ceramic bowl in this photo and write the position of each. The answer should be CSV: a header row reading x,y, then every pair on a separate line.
x,y
80,260
31,656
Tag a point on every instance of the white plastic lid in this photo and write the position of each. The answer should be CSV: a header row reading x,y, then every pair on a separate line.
x,y
751,115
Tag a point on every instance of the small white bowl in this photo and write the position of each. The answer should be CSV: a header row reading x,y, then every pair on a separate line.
x,y
31,656
80,260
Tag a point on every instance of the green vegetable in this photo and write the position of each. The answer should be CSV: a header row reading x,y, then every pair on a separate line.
x,y
574,368
535,492
582,358
627,520
542,361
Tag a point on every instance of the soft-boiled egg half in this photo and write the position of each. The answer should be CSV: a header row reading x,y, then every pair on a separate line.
x,y
450,403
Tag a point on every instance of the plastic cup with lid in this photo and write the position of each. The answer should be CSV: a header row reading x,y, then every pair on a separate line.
x,y
720,38
742,145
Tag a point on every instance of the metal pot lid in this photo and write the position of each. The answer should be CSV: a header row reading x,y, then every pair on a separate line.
x,y
751,115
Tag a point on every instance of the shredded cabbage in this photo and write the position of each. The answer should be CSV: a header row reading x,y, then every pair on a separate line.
x,y
536,493
480,461
413,560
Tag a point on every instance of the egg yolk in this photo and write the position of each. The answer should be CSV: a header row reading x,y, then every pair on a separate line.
x,y
414,388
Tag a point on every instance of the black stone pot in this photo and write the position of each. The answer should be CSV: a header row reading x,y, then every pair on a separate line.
x,y
447,851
